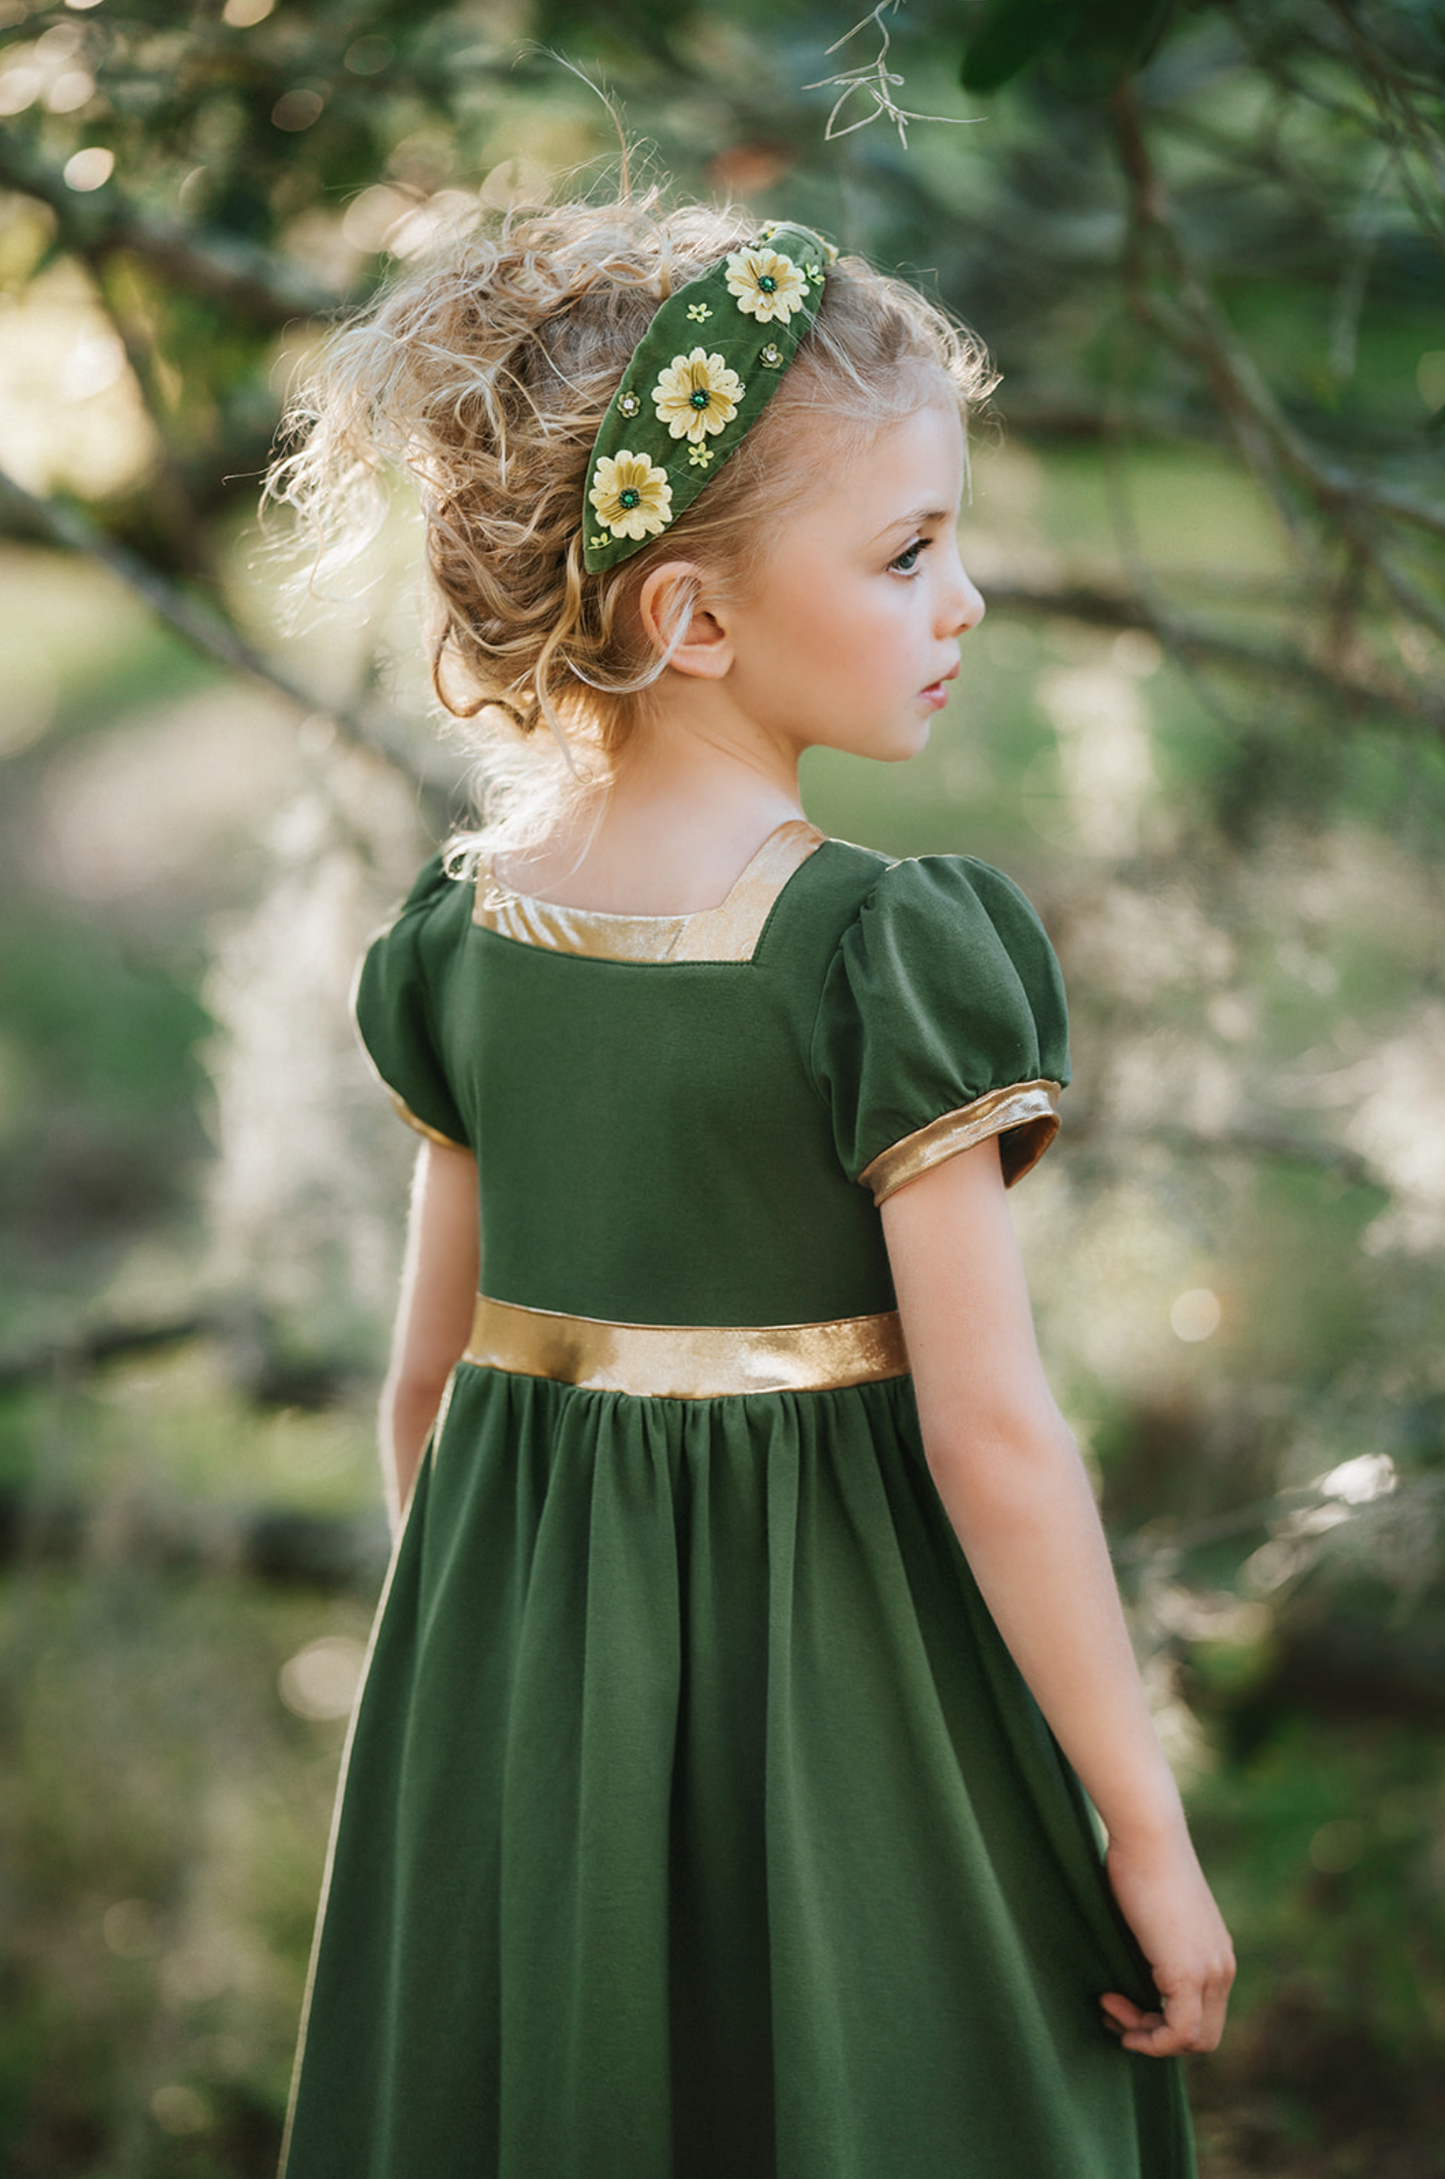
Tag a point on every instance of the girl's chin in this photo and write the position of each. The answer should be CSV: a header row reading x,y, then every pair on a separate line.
x,y
893,746
907,745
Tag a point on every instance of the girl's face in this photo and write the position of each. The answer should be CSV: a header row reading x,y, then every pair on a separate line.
x,y
851,634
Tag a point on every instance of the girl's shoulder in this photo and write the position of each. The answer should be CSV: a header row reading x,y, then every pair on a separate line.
x,y
951,907
398,996
941,1017
437,908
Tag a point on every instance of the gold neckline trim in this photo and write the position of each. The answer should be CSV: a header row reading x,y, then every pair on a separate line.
x,y
1025,1117
685,1361
729,932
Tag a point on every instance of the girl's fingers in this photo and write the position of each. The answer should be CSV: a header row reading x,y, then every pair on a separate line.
x,y
1194,2020
1216,2001
1160,2041
1136,2029
1120,2013
1184,2016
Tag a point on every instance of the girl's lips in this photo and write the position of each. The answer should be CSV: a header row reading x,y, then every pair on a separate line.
x,y
936,692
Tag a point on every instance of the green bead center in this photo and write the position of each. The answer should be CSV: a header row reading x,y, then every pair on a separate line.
x,y
630,498
767,283
700,399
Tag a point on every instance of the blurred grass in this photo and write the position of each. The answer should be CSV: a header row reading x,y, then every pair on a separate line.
x,y
164,1819
1326,1848
164,1809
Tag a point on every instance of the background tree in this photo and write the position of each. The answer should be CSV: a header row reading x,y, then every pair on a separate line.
x,y
1203,724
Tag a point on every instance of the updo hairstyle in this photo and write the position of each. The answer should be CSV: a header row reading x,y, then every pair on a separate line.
x,y
485,375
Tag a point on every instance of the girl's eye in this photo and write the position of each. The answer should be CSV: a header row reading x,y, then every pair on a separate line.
x,y
907,561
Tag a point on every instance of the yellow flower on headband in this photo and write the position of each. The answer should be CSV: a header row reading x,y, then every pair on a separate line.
x,y
680,411
631,494
695,395
766,284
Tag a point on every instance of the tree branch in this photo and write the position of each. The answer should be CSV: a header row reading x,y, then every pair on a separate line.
x,y
1263,1140
334,1553
200,624
1260,1139
190,547
1269,440
248,280
1376,694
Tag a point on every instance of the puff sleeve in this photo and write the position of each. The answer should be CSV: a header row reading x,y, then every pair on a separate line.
x,y
396,1008
941,1022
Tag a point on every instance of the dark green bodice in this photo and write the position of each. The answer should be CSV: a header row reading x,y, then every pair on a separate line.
x,y
679,1141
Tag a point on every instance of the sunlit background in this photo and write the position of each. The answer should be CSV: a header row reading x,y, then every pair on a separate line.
x,y
1202,725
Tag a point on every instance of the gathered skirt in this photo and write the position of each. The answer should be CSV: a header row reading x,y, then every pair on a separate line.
x,y
696,1824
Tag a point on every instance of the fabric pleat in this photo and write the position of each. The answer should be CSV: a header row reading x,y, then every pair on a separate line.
x,y
698,1825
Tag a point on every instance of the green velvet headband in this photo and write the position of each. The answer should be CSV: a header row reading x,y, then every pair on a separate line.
x,y
699,379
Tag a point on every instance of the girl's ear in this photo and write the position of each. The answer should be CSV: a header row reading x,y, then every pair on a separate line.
x,y
678,624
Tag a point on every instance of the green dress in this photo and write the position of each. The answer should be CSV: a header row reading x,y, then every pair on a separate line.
x,y
696,1823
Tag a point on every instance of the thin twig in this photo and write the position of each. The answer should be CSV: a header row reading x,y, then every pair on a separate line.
x,y
1263,1140
1395,91
1243,393
1192,322
171,500
1260,1139
89,1350
878,81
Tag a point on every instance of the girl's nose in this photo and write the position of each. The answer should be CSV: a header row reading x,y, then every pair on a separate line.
x,y
965,608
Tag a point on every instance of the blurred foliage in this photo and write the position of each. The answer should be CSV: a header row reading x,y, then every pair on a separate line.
x,y
1203,724
1088,48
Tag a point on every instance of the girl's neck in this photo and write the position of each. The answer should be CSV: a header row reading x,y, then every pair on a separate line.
x,y
681,817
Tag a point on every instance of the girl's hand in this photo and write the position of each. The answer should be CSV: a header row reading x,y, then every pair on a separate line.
x,y
1163,1897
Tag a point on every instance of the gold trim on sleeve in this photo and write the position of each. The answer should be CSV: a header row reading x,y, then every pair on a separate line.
x,y
1025,1115
685,1361
432,1134
728,932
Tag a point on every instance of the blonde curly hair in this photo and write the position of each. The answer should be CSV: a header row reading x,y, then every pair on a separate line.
x,y
484,376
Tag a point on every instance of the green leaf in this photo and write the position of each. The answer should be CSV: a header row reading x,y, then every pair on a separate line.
x,y
1114,39
1090,48
1012,35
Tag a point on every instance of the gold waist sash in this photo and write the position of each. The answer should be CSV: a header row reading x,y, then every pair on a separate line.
x,y
686,1361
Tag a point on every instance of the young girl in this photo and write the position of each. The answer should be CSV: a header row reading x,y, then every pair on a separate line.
x,y
715,1804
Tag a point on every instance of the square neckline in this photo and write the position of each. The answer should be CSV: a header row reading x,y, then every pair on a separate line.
x,y
728,931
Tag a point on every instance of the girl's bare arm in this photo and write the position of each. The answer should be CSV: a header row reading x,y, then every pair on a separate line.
x,y
1011,1481
434,1314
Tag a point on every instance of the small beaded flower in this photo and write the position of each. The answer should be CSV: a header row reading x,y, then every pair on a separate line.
x,y
767,285
696,394
632,495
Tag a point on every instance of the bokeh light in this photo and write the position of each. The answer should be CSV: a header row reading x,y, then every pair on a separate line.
x,y
180,2109
1195,1314
1337,1845
321,1680
88,169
